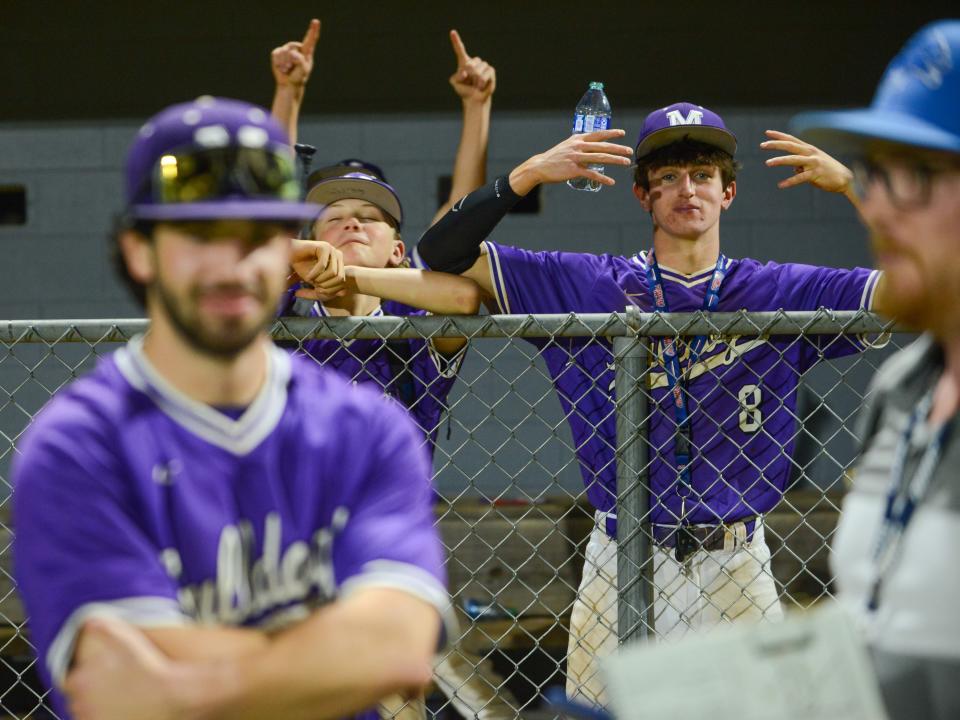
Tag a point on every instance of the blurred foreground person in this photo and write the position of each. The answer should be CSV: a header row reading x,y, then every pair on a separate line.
x,y
203,528
894,551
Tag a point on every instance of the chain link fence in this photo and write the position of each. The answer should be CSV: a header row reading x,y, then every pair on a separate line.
x,y
528,442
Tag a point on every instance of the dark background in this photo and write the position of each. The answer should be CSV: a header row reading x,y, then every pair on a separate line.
x,y
90,60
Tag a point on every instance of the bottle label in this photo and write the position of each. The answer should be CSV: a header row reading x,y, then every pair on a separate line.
x,y
589,123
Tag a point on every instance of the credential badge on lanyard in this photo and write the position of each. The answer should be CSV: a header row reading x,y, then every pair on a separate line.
x,y
676,379
904,496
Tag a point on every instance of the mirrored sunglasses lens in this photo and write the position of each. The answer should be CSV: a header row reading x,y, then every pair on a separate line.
x,y
225,172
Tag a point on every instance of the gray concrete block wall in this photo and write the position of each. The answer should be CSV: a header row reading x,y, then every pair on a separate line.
x,y
56,265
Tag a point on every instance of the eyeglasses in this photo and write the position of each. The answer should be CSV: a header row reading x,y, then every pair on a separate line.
x,y
217,173
907,184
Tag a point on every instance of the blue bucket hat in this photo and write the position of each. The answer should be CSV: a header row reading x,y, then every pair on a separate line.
x,y
917,102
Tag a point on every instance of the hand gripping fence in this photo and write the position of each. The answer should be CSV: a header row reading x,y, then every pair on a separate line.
x,y
513,454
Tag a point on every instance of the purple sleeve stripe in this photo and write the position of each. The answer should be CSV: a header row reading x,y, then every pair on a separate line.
x,y
142,611
496,274
869,289
872,342
409,578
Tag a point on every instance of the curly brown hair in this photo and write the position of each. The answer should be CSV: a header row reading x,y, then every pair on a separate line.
x,y
684,153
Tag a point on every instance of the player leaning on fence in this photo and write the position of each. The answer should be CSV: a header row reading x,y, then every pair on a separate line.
x,y
198,533
721,458
358,234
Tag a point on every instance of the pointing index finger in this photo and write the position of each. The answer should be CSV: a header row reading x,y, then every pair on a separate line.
x,y
311,38
459,49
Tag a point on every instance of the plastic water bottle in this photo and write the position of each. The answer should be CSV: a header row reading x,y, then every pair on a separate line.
x,y
592,113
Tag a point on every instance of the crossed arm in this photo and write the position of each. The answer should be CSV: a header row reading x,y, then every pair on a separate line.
x,y
341,659
321,266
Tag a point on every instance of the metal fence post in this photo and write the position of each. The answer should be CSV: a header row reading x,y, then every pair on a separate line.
x,y
633,499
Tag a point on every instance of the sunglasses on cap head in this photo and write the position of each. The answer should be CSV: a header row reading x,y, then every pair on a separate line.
x,y
197,175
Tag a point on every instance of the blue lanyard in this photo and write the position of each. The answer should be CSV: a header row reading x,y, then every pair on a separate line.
x,y
675,376
904,495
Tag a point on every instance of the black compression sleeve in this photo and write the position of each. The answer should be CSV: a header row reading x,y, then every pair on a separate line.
x,y
453,244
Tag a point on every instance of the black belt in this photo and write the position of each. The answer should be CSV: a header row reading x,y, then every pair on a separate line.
x,y
707,537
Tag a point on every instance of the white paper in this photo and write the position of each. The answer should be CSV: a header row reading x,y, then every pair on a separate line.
x,y
811,666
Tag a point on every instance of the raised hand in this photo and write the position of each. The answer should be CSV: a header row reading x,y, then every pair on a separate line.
x,y
572,158
320,265
474,80
810,164
292,62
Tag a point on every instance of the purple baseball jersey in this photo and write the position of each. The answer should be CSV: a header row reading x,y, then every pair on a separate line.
x,y
742,392
131,499
410,371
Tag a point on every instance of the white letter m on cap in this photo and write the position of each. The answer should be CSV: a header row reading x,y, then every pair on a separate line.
x,y
693,117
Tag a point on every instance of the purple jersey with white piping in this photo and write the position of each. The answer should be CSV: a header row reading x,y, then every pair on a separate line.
x,y
408,370
742,392
135,501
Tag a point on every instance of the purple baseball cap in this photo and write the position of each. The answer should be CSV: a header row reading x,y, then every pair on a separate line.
x,y
358,186
213,158
917,102
675,122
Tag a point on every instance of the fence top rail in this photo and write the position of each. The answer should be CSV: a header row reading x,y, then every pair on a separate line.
x,y
626,324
